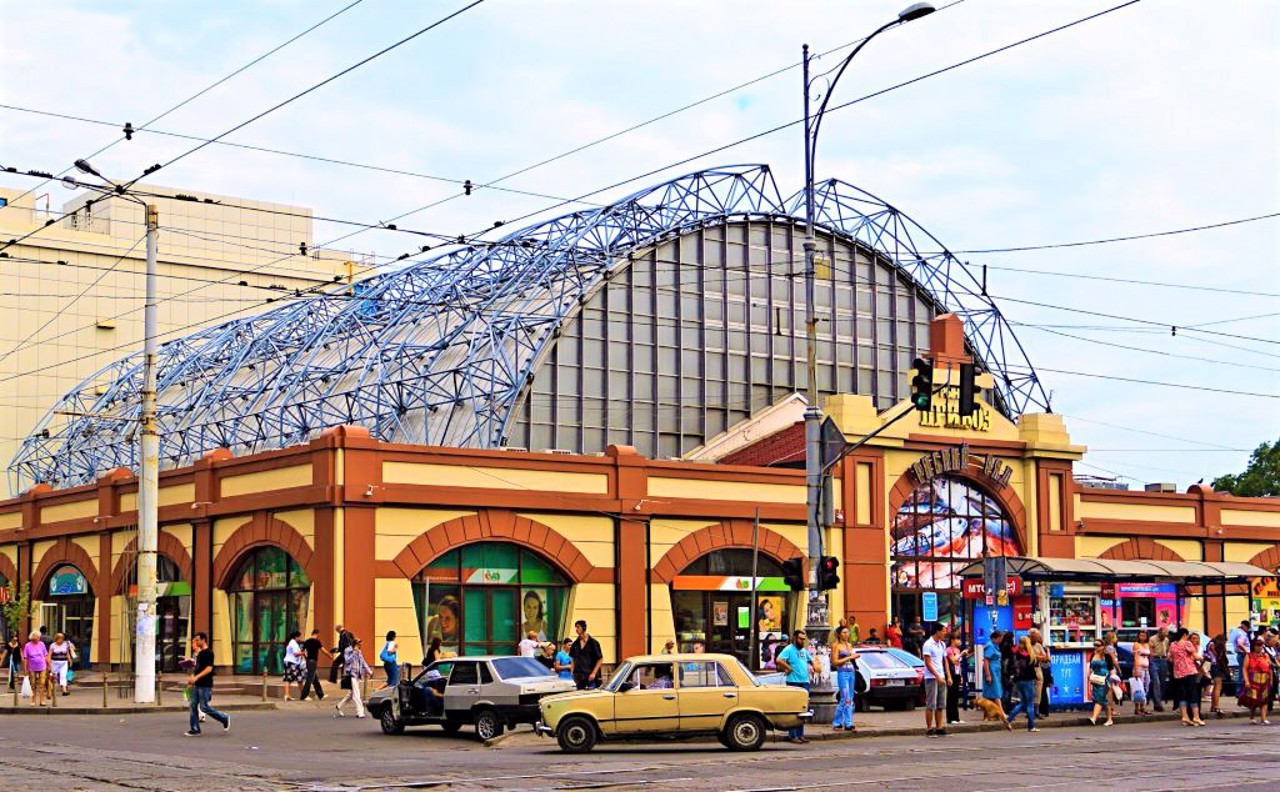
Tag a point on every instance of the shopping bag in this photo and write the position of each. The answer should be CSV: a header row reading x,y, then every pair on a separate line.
x,y
186,694
71,675
26,687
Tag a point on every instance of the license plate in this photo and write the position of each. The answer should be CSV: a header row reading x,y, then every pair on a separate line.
x,y
895,682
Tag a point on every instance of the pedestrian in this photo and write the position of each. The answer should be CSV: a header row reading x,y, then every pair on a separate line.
x,y
587,658
201,682
1256,693
855,632
1007,682
844,662
914,640
564,660
893,633
937,678
35,664
13,660
1110,646
295,664
1140,680
1024,676
547,657
312,648
1100,684
1186,677
992,680
872,638
1159,688
799,665
390,663
1216,654
1044,673
356,670
61,654
530,645
1239,638
338,652
955,661
433,652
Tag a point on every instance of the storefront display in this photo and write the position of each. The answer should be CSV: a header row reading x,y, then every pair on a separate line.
x,y
1073,615
1265,600
711,604
268,596
69,608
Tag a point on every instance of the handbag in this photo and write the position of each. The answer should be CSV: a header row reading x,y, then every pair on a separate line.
x,y
71,675
384,655
345,684
1097,679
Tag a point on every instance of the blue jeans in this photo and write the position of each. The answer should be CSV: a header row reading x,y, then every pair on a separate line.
x,y
200,701
1026,703
798,731
845,682
1159,676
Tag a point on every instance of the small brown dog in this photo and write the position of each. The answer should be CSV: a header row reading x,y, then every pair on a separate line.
x,y
991,710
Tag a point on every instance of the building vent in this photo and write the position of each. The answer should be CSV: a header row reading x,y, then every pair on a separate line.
x,y
1161,486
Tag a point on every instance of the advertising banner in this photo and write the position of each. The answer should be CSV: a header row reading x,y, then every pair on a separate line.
x,y
1069,668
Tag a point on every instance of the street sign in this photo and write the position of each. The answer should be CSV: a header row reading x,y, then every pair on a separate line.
x,y
833,442
929,602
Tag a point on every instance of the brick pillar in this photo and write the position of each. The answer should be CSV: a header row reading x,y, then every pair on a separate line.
x,y
631,552
865,572
359,573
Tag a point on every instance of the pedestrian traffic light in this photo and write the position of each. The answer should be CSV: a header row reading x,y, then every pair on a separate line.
x,y
793,573
828,573
922,384
968,390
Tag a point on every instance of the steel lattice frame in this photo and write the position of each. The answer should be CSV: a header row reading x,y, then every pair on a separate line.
x,y
442,351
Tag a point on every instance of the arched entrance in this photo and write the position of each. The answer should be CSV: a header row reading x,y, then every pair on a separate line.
x,y
67,608
483,597
711,605
268,598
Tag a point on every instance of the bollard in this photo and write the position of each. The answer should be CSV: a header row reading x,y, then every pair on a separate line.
x,y
16,688
159,688
264,684
106,683
53,690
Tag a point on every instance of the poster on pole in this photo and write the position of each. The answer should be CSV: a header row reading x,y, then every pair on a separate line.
x,y
929,606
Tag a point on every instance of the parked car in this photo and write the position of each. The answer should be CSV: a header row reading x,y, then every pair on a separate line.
x,y
888,678
675,696
493,693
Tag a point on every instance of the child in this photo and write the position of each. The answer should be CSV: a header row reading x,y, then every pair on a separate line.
x,y
1138,690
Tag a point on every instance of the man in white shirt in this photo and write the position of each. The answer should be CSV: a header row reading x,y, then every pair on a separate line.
x,y
529,646
937,676
1239,640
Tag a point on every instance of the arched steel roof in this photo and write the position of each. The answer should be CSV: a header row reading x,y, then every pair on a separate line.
x,y
440,352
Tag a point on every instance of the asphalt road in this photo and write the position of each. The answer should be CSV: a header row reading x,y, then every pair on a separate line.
x,y
305,750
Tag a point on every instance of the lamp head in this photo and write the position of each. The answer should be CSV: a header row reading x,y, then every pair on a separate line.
x,y
84,167
915,11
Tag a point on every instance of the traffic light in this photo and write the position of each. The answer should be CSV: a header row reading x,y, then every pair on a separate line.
x,y
922,384
828,573
793,573
968,390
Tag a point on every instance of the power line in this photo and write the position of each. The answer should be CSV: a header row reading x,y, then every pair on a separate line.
x,y
1183,386
1145,349
1128,238
1108,279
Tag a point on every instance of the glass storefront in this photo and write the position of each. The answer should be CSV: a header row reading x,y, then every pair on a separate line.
x,y
268,598
68,609
483,599
173,612
711,604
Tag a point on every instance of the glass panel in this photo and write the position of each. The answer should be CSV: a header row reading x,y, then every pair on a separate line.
x,y
475,616
443,568
490,562
271,563
504,622
533,569
700,675
297,577
443,615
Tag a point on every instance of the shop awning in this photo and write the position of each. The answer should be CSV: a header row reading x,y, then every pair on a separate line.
x,y
1106,569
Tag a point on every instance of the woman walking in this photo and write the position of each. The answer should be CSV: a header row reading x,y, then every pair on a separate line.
x,y
35,664
1044,672
992,687
955,656
295,664
13,660
1024,675
1217,656
1007,683
1186,677
356,670
1256,691
390,663
1099,684
61,654
844,661
1140,682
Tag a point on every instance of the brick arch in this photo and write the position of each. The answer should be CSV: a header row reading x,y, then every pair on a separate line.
x,y
168,545
499,526
1009,501
1140,549
7,569
64,551
261,531
1268,559
724,534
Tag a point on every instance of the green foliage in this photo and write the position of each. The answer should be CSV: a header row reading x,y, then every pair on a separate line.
x,y
1260,478
18,607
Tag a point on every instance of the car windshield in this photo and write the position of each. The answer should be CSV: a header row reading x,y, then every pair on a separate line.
x,y
515,667
619,676
881,660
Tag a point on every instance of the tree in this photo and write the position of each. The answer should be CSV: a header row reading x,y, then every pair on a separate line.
x,y
17,608
1260,478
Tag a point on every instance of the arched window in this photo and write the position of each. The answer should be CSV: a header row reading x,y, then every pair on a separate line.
x,y
67,607
268,596
711,602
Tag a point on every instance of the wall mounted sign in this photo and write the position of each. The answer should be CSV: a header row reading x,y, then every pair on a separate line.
x,y
975,588
67,581
929,606
945,413
958,459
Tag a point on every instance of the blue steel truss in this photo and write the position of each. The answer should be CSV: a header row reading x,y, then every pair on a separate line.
x,y
441,351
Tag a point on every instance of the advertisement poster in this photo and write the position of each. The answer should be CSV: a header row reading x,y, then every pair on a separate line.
x,y
720,613
940,528
986,619
769,614
444,616
533,605
1069,675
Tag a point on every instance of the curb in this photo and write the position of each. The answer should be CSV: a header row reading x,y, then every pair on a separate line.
x,y
140,709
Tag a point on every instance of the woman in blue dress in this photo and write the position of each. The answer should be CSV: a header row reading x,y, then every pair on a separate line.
x,y
1099,673
991,687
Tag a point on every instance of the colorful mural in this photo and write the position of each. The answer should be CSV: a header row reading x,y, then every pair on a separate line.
x,y
943,526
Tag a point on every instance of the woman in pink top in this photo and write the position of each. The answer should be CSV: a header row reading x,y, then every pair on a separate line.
x,y
1186,660
35,662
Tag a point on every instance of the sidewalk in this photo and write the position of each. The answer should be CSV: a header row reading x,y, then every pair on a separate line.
x,y
87,698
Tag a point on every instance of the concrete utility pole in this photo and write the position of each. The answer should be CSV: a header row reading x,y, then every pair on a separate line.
x,y
148,486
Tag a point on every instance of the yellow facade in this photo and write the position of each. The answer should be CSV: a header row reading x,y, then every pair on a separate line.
x,y
266,481
1254,519
725,490
396,527
494,478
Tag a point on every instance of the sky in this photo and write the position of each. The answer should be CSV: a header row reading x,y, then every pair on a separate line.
x,y
1161,115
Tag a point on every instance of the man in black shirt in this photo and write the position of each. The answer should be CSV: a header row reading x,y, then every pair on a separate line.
x,y
587,658
312,647
201,682
339,652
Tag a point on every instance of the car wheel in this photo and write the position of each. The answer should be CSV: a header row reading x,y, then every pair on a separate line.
x,y
744,733
576,734
451,726
488,725
389,723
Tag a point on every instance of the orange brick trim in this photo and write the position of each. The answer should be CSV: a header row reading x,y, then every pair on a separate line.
x,y
1268,559
8,570
1141,549
64,551
498,525
726,533
169,547
261,530
1008,499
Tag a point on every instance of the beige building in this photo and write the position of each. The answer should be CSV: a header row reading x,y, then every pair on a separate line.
x,y
73,292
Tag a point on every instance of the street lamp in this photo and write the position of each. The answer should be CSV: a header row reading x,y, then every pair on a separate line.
x,y
813,414
144,657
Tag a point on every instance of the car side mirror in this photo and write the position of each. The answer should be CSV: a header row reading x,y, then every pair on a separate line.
x,y
625,686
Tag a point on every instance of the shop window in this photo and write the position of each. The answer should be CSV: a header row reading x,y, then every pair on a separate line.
x,y
268,597
712,606
68,608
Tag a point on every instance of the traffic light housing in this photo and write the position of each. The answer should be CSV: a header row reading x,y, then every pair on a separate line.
x,y
968,390
922,385
793,573
828,573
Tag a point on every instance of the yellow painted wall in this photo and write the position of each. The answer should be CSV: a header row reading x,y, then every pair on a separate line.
x,y
169,496
38,549
663,620
1095,546
494,478
119,652
224,528
251,483
591,534
394,610
1255,519
183,532
1186,548
303,521
10,552
725,490
220,629
594,602
1242,552
663,533
10,520
77,510
396,528
1135,511
92,547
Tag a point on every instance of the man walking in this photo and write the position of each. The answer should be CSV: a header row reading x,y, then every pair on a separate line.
x,y
201,681
937,677
587,658
312,647
339,652
798,664
1239,639
1159,644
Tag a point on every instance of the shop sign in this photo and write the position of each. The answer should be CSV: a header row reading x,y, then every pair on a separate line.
x,y
483,576
944,413
957,459
976,588
67,581
1022,610
727,583
1266,598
